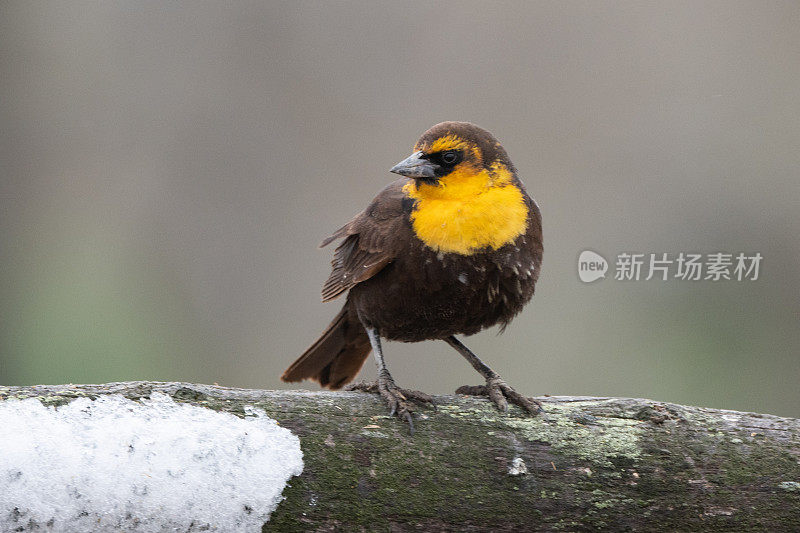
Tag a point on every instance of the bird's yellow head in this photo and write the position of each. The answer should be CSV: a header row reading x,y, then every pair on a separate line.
x,y
455,151
467,196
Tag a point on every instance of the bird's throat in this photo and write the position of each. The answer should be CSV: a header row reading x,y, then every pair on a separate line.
x,y
469,211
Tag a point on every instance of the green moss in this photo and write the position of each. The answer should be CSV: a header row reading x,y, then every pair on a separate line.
x,y
53,400
601,444
370,481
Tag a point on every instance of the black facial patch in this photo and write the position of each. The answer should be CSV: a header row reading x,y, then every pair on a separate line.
x,y
445,161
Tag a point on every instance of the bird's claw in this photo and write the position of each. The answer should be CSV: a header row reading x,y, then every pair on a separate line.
x,y
500,393
396,398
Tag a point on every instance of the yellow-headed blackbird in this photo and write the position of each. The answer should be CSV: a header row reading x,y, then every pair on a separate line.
x,y
453,247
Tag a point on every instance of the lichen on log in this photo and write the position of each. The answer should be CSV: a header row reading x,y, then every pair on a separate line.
x,y
584,464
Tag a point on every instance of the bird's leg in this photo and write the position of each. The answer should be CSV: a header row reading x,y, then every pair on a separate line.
x,y
396,398
496,389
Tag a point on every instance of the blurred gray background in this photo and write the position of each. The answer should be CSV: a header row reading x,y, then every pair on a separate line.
x,y
168,168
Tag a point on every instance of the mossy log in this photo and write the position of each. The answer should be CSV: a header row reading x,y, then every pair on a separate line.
x,y
584,464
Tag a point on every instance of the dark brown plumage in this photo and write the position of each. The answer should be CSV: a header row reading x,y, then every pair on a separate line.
x,y
403,288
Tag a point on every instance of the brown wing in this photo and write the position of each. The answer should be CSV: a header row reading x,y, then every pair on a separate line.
x,y
369,240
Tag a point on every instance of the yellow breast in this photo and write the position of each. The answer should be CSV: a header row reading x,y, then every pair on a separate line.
x,y
469,211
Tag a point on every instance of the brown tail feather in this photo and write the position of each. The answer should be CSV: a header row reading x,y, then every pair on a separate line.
x,y
336,357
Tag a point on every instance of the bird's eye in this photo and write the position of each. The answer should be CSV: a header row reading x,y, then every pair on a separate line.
x,y
449,157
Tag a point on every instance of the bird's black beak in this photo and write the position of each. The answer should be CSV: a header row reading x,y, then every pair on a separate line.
x,y
416,166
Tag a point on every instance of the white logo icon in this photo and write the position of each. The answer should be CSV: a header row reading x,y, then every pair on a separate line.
x,y
591,266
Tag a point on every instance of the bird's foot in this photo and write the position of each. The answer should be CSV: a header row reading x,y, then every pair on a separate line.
x,y
501,393
399,400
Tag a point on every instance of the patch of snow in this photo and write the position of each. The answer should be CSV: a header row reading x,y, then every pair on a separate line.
x,y
114,464
518,467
